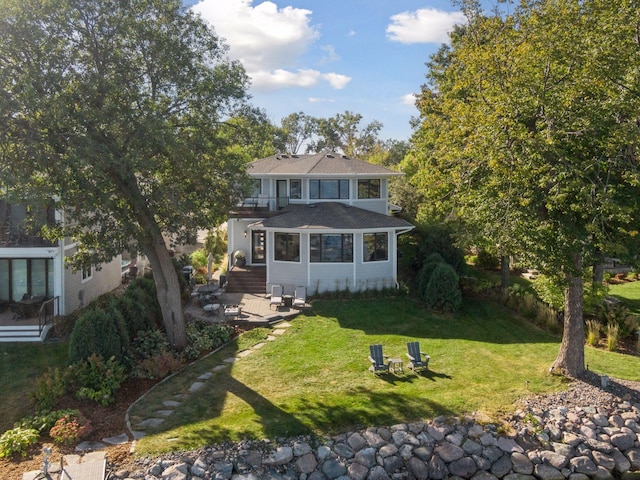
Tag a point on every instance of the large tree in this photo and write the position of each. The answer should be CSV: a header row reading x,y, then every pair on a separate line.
x,y
114,108
528,133
344,133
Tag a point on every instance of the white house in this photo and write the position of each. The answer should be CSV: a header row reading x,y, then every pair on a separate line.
x,y
34,268
319,220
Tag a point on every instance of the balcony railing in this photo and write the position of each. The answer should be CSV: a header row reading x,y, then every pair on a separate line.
x,y
265,204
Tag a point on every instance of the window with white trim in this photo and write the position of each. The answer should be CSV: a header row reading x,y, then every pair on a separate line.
x,y
331,248
375,247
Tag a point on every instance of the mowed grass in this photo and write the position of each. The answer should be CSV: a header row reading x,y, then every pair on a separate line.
x,y
629,294
314,377
20,365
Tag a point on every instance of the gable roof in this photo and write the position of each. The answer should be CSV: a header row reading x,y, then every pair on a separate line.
x,y
330,215
318,164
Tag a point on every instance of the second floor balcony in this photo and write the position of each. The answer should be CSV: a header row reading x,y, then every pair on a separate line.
x,y
261,205
14,236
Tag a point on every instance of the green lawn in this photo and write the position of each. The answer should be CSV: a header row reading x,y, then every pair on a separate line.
x,y
314,378
20,365
629,293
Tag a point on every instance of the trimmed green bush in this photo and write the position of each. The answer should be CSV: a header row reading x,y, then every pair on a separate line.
x,y
95,332
443,290
428,266
50,387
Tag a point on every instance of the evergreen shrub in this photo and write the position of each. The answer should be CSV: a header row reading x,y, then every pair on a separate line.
x,y
443,290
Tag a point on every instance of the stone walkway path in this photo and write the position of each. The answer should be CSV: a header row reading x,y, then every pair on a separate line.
x,y
156,418
91,465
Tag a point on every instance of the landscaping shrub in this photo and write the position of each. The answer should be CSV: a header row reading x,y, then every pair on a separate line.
x,y
50,387
157,366
70,428
45,420
95,332
443,290
98,380
205,336
148,344
619,315
435,238
486,260
134,304
612,337
428,266
17,440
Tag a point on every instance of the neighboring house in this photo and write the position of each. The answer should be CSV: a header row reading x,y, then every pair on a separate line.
x,y
319,220
31,266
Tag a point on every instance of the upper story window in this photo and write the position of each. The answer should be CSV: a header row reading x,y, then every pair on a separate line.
x,y
376,247
369,188
329,189
331,248
287,247
256,187
295,189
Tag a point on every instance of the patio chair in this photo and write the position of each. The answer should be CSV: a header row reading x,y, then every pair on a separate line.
x,y
377,359
416,356
300,297
276,296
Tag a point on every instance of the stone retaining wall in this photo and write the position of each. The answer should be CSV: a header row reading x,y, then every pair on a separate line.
x,y
575,443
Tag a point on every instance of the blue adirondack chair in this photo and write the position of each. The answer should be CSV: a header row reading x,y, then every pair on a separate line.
x,y
377,359
417,359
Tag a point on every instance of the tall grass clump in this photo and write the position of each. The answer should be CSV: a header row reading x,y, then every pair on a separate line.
x,y
612,337
593,332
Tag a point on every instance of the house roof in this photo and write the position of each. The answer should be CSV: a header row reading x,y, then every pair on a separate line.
x,y
330,215
318,164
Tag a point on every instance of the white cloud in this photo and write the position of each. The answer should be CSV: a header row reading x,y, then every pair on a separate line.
x,y
409,99
351,33
269,42
321,100
426,25
280,78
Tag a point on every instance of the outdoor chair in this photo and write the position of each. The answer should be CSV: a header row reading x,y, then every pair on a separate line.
x,y
416,356
377,359
276,296
300,297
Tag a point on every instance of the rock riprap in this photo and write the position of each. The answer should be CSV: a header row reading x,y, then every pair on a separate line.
x,y
580,434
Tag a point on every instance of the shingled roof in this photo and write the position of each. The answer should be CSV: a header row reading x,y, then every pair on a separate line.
x,y
330,215
318,164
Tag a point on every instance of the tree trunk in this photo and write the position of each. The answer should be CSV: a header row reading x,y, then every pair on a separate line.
x,y
168,291
504,271
598,274
570,359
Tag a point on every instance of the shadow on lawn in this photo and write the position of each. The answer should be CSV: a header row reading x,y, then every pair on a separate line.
x,y
477,320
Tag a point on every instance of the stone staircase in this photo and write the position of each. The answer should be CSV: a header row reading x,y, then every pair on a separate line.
x,y
247,280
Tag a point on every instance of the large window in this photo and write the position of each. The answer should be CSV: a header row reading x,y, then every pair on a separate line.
x,y
295,189
369,188
256,187
25,276
329,189
376,247
287,247
331,248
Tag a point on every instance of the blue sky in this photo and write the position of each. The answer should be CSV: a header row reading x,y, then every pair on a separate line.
x,y
323,57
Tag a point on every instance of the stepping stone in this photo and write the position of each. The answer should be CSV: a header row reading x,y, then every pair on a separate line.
x,y
150,422
181,396
90,446
271,338
217,368
244,353
117,440
163,413
230,360
195,386
278,331
171,403
284,325
258,346
137,434
205,376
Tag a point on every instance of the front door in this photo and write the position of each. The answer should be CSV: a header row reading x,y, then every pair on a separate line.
x,y
258,246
